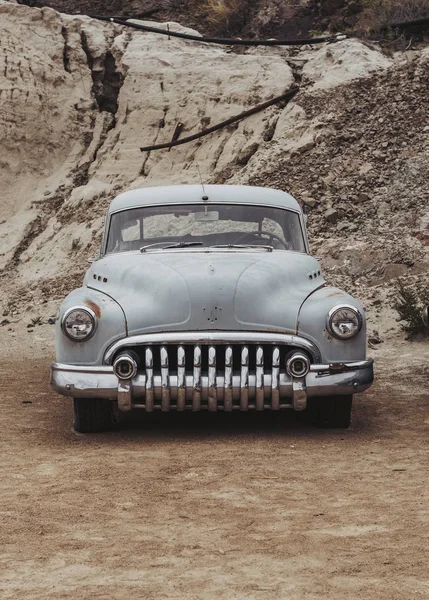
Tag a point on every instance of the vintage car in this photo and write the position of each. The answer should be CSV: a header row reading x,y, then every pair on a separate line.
x,y
206,297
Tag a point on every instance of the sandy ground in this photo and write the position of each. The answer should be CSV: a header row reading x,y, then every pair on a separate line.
x,y
214,506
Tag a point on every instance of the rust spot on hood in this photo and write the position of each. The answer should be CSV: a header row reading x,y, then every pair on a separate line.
x,y
335,294
94,307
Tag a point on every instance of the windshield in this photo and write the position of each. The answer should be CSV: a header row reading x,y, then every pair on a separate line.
x,y
204,225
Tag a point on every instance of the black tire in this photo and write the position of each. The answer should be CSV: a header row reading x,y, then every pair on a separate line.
x,y
92,415
330,412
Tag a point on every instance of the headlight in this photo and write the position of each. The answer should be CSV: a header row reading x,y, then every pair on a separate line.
x,y
344,322
79,324
425,316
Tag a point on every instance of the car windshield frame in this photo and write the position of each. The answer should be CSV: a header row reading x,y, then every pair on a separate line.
x,y
209,207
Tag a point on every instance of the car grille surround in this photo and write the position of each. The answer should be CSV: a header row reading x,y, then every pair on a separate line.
x,y
213,374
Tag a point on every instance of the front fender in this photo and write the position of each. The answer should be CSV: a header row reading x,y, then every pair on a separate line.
x,y
312,324
111,326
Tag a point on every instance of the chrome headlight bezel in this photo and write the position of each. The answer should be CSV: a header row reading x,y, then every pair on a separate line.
x,y
334,311
425,316
92,317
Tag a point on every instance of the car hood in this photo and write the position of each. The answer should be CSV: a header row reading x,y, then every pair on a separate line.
x,y
197,290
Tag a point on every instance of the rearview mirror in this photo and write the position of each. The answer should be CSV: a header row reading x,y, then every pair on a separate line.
x,y
210,215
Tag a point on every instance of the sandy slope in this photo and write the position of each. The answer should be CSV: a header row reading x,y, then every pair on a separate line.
x,y
80,97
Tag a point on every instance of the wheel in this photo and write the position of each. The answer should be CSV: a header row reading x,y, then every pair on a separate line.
x,y
92,415
330,411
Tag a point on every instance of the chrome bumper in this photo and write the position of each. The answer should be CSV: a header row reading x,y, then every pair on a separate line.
x,y
212,392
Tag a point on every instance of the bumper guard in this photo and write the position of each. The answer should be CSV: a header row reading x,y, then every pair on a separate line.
x,y
323,380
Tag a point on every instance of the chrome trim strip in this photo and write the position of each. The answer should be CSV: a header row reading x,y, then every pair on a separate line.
x,y
229,367
275,379
149,378
212,392
337,367
342,367
209,337
165,380
259,378
181,379
196,394
208,203
93,370
244,378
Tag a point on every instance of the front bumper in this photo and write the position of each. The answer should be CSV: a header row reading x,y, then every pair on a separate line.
x,y
335,379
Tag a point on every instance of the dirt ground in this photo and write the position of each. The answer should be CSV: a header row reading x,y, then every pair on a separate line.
x,y
214,506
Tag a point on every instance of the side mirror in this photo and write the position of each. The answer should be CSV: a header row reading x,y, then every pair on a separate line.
x,y
425,316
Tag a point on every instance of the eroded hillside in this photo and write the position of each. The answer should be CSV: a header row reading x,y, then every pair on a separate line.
x,y
80,97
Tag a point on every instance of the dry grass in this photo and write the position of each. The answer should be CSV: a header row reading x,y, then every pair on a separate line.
x,y
381,13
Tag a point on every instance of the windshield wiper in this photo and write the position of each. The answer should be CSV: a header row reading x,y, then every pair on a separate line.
x,y
263,246
164,246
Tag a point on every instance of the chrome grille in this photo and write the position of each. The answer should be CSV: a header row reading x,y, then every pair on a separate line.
x,y
211,376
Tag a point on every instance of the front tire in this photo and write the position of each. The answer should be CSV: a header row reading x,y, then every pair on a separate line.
x,y
92,415
330,412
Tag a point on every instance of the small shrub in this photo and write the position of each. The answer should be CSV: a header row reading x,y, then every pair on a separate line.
x,y
36,321
76,244
409,304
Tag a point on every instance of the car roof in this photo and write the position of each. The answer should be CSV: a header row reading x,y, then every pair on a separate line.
x,y
189,194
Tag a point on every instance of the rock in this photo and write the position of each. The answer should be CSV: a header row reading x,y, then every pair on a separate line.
x,y
420,268
246,154
423,236
343,63
363,197
311,202
393,271
374,338
306,147
332,215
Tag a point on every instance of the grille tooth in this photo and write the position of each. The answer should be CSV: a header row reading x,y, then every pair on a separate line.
x,y
181,378
165,380
244,379
259,378
275,379
149,379
229,367
196,395
212,391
